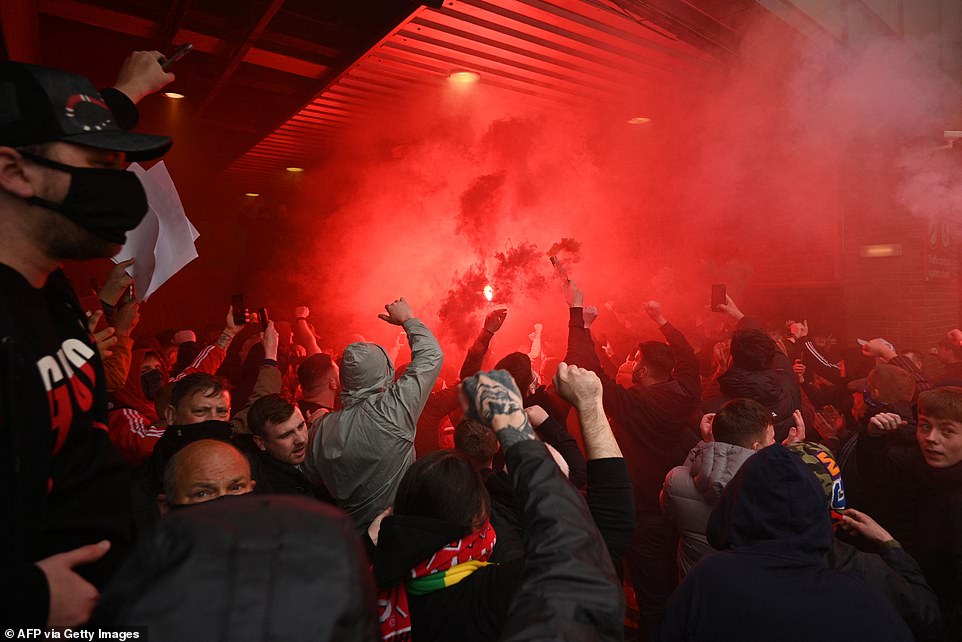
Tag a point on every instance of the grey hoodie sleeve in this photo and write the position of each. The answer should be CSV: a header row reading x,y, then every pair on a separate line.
x,y
403,401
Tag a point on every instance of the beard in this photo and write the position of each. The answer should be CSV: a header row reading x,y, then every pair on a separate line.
x,y
61,238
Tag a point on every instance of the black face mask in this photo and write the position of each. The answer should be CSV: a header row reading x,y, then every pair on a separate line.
x,y
108,203
152,382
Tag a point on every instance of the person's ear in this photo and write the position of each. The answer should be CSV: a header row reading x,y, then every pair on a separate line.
x,y
169,414
162,505
13,179
875,393
259,442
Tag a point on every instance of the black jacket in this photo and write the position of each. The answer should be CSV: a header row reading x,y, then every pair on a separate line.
x,y
651,422
610,499
278,478
882,498
770,580
932,500
62,482
246,568
564,587
776,388
898,577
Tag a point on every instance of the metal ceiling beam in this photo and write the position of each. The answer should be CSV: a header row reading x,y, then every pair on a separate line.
x,y
75,11
405,11
171,25
238,55
21,30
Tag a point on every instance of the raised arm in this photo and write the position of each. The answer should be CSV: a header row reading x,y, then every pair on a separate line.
x,y
269,379
686,371
117,365
404,400
210,358
554,433
303,335
877,460
883,350
610,495
569,589
581,347
475,355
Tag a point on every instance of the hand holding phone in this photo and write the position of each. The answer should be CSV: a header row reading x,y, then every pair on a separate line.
x,y
240,310
718,296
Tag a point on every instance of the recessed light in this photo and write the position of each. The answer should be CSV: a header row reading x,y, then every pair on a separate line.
x,y
252,194
295,169
639,120
464,77
173,94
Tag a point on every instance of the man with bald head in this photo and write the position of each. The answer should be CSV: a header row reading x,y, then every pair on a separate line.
x,y
204,470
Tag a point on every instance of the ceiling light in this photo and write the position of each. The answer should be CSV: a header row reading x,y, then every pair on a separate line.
x,y
295,169
173,94
881,250
639,120
464,77
251,194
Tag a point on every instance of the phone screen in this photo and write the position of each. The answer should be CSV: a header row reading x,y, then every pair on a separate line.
x,y
240,310
718,296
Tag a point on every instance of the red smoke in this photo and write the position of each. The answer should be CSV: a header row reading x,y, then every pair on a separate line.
x,y
735,180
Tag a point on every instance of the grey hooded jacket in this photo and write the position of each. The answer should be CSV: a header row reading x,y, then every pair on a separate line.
x,y
361,451
693,489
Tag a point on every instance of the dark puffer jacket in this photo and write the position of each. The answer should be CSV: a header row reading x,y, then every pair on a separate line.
x,y
247,568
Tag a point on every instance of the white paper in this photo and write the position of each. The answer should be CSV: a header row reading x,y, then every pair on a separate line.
x,y
163,243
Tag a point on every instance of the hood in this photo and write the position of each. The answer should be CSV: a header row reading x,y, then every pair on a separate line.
x,y
712,465
760,385
774,503
132,394
365,370
405,541
251,568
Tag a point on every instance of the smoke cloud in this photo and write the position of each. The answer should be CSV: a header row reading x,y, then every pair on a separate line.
x,y
736,179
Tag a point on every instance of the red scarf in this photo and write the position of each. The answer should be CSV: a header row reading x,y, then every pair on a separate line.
x,y
395,615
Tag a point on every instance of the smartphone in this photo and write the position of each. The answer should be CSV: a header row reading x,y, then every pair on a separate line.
x,y
240,310
718,296
174,57
265,318
128,295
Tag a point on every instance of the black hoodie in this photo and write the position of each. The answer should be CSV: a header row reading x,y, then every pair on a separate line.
x,y
770,580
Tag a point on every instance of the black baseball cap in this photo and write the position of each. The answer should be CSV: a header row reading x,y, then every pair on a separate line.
x,y
42,105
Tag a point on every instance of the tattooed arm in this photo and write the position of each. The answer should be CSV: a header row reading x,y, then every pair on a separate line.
x,y
493,399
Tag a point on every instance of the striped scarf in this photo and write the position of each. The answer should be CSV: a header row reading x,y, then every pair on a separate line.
x,y
450,565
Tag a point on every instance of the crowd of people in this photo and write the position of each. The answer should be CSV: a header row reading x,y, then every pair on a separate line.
x,y
245,484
